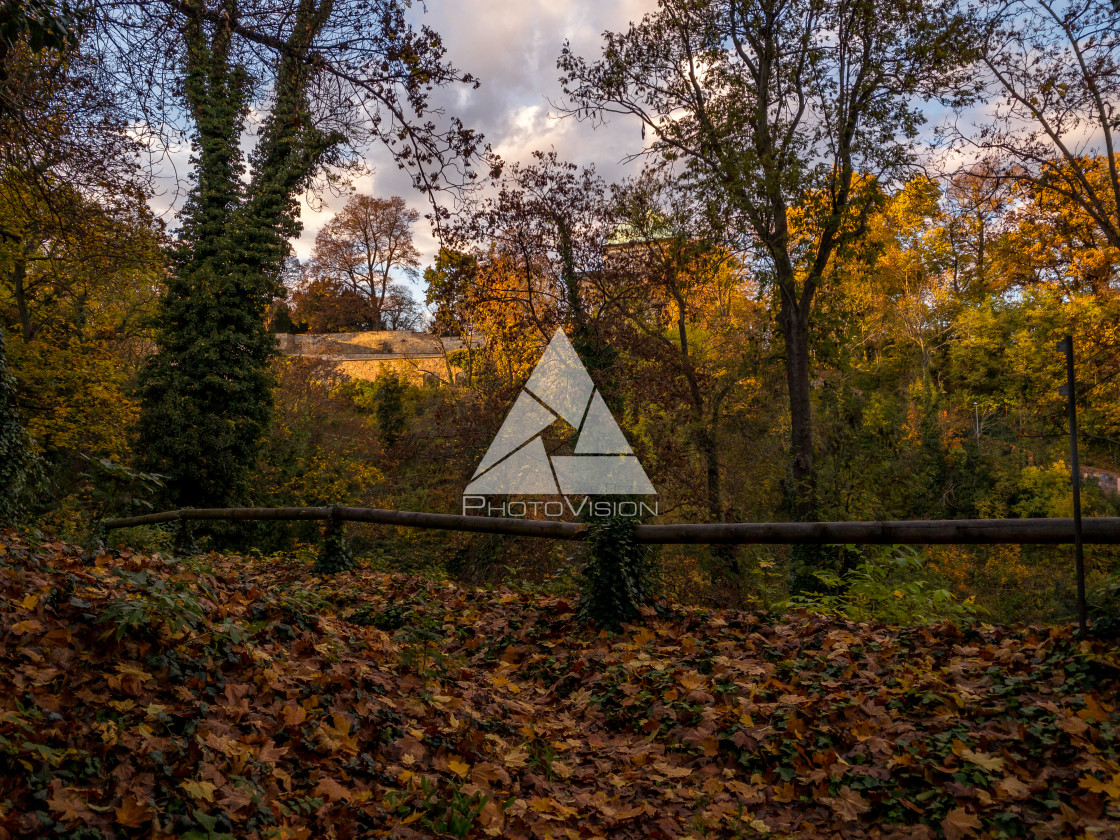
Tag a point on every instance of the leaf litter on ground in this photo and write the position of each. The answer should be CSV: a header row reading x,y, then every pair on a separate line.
x,y
242,697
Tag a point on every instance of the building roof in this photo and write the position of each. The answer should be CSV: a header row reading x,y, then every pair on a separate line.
x,y
627,234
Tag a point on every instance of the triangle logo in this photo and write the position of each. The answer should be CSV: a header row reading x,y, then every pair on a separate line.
x,y
560,388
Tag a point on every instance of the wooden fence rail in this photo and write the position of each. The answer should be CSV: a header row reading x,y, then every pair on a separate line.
x,y
1098,530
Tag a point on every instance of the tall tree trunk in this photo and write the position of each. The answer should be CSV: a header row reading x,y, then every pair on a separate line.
x,y
710,450
19,277
570,275
705,434
794,324
793,319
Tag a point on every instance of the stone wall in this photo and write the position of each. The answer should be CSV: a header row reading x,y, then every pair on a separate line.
x,y
416,357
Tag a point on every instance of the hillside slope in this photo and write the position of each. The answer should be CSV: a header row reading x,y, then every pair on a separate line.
x,y
240,697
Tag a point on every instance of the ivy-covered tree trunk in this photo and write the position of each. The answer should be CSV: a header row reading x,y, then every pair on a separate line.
x,y
206,392
619,577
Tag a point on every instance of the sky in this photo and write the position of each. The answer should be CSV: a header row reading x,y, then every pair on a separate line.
x,y
511,46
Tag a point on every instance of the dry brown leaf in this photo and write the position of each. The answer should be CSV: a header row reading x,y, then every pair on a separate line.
x,y
332,790
959,823
132,813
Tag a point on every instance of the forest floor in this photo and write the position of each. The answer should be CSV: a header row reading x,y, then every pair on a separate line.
x,y
242,697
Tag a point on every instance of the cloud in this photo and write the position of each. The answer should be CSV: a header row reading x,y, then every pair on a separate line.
x,y
512,48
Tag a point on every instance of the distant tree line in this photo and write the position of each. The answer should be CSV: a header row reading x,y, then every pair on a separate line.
x,y
354,279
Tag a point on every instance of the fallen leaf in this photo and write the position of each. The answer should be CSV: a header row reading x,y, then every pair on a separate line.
x,y
1013,788
200,790
132,813
848,804
516,758
983,760
332,790
959,823
1111,789
69,805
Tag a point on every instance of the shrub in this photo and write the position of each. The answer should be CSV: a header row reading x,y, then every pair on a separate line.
x,y
156,604
882,587
1104,607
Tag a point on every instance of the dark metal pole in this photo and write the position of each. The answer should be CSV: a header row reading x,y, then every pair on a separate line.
x,y
1070,391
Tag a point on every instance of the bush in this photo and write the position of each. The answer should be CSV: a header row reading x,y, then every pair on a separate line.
x,y
1104,607
884,587
155,605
